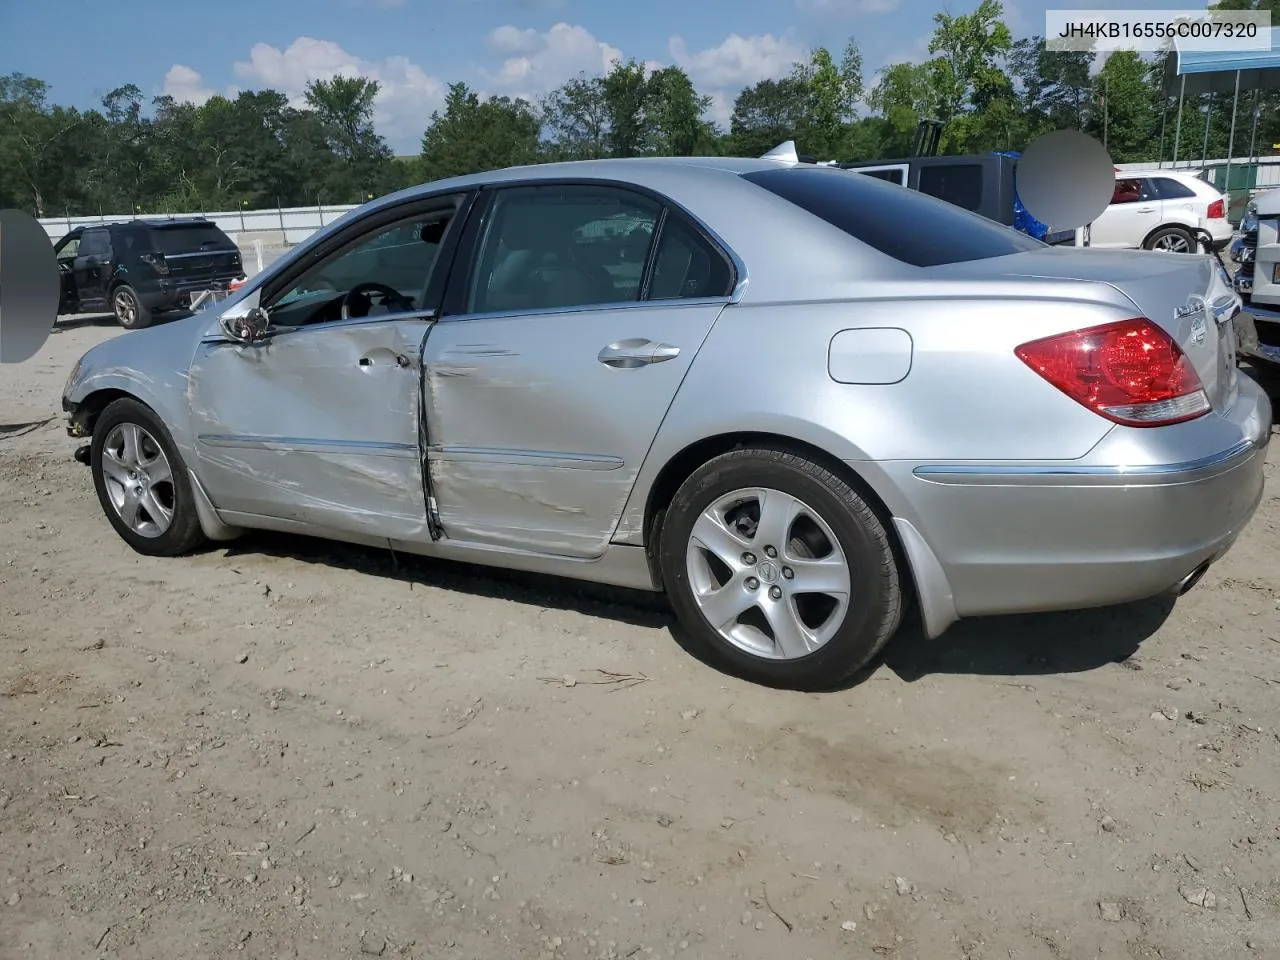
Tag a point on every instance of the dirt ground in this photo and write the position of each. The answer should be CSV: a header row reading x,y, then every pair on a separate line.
x,y
297,749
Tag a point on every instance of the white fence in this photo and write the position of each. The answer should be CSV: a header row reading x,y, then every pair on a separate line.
x,y
275,228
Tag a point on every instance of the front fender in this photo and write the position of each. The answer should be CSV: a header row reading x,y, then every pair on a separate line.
x,y
169,401
150,366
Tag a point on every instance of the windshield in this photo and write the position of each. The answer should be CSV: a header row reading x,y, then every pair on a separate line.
x,y
904,224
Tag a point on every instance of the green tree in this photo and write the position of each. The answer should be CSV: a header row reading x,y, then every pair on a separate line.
x,y
903,96
1125,117
626,94
967,71
345,107
472,135
1054,86
674,115
38,149
830,92
766,114
576,118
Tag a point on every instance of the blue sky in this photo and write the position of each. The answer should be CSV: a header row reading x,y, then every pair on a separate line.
x,y
416,47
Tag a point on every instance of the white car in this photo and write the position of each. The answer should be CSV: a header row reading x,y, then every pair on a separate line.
x,y
1162,210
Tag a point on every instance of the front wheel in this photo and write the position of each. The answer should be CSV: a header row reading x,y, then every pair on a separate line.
x,y
142,482
779,570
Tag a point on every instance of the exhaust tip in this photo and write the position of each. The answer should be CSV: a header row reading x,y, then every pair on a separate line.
x,y
1191,579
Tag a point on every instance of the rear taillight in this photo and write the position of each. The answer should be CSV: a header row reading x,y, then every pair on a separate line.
x,y
1130,372
1218,210
156,262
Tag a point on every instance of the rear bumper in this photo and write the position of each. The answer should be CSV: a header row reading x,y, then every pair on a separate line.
x,y
1023,538
175,294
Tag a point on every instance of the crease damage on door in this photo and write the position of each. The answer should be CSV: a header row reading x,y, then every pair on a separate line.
x,y
502,496
344,476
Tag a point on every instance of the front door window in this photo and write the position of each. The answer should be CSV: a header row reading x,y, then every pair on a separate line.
x,y
384,273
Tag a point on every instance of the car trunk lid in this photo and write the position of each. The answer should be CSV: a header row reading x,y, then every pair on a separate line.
x,y
1187,296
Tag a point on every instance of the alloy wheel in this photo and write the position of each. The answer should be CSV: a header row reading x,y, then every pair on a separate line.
x,y
768,573
138,479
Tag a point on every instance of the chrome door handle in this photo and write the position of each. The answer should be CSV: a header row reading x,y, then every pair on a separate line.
x,y
1145,209
636,352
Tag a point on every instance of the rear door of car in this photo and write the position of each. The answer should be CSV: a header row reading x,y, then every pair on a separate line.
x,y
557,357
1179,203
1134,212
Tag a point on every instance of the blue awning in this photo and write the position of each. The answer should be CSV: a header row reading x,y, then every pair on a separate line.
x,y
1215,71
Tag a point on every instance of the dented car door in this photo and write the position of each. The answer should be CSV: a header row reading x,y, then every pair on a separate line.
x,y
546,385
317,425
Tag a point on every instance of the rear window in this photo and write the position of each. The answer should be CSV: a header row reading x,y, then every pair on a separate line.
x,y
188,238
904,224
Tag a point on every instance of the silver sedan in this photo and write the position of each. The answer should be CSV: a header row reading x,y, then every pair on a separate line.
x,y
794,398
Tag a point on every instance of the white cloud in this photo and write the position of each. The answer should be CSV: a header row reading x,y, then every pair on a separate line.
x,y
846,7
406,97
738,61
508,40
537,62
187,86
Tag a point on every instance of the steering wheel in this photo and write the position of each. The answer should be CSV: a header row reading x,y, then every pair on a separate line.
x,y
367,293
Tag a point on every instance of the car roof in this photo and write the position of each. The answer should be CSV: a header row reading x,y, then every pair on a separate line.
x,y
1180,175
149,222
643,171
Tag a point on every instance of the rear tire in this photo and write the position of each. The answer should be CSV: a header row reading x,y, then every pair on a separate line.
x,y
131,313
142,481
1172,240
778,570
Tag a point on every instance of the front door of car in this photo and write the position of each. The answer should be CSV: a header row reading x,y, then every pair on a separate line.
x,y
564,341
92,267
65,252
319,422
1134,212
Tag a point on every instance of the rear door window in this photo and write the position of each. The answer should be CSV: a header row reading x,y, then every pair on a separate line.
x,y
907,225
1127,190
686,265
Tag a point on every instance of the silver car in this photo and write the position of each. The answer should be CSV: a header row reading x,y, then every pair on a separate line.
x,y
793,398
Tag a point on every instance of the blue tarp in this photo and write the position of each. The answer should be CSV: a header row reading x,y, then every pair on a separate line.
x,y
1215,71
1021,219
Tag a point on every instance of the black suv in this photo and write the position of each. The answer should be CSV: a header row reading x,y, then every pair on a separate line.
x,y
138,268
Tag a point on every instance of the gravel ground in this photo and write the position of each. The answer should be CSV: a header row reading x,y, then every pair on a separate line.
x,y
291,748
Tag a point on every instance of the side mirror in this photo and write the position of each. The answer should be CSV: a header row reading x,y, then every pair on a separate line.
x,y
250,327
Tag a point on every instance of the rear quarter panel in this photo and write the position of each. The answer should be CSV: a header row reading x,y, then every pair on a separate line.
x,y
966,395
